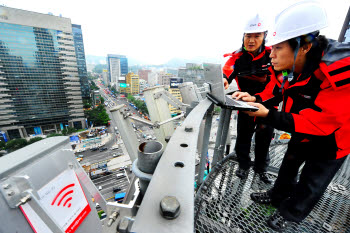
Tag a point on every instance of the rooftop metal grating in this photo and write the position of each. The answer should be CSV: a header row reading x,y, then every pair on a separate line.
x,y
223,204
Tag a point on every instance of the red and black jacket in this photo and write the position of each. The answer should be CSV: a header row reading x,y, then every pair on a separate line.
x,y
249,71
316,106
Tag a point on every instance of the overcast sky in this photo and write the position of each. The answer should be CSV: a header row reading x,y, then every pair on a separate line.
x,y
155,31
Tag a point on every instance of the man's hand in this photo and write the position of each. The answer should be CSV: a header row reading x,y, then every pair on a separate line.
x,y
262,112
243,96
225,83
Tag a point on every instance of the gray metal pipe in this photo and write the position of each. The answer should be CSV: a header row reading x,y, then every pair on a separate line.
x,y
149,154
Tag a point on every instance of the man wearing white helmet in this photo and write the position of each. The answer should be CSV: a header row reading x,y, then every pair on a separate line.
x,y
249,67
312,75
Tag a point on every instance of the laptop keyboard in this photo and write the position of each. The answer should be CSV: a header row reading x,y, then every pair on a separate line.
x,y
232,102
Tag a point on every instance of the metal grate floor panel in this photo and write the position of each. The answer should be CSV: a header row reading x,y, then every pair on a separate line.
x,y
223,203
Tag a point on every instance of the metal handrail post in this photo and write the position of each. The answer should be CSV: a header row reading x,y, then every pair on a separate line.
x,y
204,151
218,137
225,129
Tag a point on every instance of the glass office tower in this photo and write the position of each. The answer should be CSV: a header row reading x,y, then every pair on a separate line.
x,y
39,84
116,70
81,62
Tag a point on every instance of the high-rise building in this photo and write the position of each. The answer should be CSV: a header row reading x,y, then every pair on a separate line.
x,y
81,62
345,31
113,65
39,82
133,86
164,78
175,91
105,77
121,85
117,66
143,84
192,73
152,79
143,74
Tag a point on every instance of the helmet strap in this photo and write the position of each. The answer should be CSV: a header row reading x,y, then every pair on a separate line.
x,y
290,75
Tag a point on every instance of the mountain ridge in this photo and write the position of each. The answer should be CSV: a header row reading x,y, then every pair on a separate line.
x,y
175,62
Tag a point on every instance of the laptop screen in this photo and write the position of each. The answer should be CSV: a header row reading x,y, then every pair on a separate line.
x,y
213,75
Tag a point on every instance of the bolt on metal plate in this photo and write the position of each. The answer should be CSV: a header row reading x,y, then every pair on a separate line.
x,y
188,129
169,207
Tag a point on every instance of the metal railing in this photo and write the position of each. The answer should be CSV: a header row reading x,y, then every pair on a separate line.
x,y
171,204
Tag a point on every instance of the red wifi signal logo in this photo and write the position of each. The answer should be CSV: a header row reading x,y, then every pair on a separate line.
x,y
66,191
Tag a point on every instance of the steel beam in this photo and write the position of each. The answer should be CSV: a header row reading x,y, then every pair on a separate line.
x,y
126,131
174,176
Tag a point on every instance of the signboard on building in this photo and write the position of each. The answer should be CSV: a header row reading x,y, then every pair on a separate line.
x,y
64,200
124,85
174,82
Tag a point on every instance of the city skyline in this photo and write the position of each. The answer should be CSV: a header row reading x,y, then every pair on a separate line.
x,y
154,32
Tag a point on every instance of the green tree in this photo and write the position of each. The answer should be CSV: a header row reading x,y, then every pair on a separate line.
x,y
68,130
87,103
217,110
144,108
93,86
138,103
131,98
98,116
114,90
2,145
15,144
36,139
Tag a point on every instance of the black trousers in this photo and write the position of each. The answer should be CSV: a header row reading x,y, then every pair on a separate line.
x,y
263,134
295,199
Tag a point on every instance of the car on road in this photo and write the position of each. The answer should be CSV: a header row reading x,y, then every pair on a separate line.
x,y
116,189
103,149
121,175
80,150
79,159
114,147
123,168
101,144
94,148
116,155
99,188
80,156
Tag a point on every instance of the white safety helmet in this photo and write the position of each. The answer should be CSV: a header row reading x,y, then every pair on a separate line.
x,y
254,25
298,19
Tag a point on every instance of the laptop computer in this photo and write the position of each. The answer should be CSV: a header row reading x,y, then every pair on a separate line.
x,y
213,76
